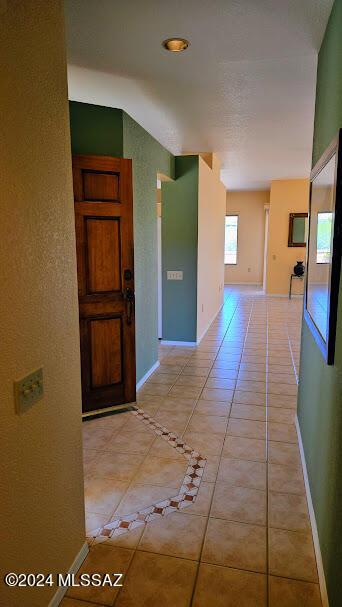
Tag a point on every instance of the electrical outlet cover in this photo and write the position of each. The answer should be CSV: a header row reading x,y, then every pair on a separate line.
x,y
174,275
28,390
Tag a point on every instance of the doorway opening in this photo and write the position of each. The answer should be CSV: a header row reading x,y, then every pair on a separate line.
x,y
264,279
159,260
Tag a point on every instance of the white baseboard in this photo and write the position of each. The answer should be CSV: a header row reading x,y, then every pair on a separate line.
x,y
147,375
285,295
79,558
185,344
209,323
192,344
247,284
320,568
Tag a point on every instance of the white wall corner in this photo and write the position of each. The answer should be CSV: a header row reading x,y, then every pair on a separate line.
x,y
199,339
147,375
79,558
319,561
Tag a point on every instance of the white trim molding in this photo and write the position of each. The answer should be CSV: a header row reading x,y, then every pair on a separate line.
x,y
247,284
192,344
286,295
209,323
319,561
185,344
147,375
79,558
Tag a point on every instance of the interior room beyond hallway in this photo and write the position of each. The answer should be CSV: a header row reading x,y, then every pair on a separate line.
x,y
263,253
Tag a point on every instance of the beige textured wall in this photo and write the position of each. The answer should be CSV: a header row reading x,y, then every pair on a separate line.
x,y
210,269
249,206
287,196
41,488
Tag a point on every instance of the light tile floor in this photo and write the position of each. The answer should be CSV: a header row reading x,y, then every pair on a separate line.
x,y
246,541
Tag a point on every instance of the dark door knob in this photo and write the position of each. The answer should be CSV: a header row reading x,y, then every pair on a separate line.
x,y
128,275
129,297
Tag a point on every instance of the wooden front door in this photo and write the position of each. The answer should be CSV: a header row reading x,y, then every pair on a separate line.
x,y
104,242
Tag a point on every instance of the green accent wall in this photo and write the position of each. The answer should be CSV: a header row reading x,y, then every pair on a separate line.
x,y
109,131
328,110
179,250
320,387
149,158
96,129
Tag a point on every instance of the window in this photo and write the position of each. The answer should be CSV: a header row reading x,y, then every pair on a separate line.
x,y
230,242
324,225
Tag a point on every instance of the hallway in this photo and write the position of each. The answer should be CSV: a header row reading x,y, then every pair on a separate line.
x,y
210,538
216,155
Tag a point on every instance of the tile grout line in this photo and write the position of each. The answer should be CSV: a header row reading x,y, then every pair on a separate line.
x,y
211,366
187,496
92,542
322,588
140,465
268,328
220,456
291,352
214,482
267,460
196,400
132,481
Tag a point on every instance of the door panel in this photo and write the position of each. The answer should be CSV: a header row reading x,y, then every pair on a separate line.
x,y
100,186
104,243
106,352
103,254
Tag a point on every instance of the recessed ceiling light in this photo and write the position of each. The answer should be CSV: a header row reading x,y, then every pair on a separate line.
x,y
176,45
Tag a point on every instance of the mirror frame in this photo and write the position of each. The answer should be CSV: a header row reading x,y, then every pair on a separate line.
x,y
290,238
328,347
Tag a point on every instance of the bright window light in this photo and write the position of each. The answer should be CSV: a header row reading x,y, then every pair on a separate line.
x,y
231,238
324,225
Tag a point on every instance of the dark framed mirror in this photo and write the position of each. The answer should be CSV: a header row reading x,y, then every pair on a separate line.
x,y
298,229
325,249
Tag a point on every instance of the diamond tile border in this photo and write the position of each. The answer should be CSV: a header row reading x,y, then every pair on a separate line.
x,y
185,497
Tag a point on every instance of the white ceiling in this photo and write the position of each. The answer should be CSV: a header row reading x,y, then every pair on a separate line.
x,y
245,88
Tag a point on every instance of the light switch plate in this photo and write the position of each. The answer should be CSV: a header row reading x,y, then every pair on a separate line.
x,y
28,390
174,275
